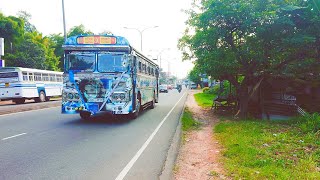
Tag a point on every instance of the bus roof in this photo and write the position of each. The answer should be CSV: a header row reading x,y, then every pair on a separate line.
x,y
7,69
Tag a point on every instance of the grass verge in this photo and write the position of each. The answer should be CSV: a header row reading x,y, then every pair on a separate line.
x,y
269,150
204,99
188,123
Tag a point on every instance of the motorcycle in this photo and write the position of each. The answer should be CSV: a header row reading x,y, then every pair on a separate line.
x,y
179,89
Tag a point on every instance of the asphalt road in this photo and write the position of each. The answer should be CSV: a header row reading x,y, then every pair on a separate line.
x,y
45,144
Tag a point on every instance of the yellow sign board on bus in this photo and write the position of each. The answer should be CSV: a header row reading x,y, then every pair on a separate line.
x,y
96,40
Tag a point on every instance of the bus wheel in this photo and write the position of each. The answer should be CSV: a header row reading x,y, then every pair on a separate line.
x,y
85,115
153,102
41,98
19,101
136,113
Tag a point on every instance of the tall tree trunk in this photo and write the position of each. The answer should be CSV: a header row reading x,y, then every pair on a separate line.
x,y
243,102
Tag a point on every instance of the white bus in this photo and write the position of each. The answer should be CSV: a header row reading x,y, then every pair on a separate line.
x,y
18,84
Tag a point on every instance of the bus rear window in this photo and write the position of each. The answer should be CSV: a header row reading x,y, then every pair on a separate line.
x,y
83,62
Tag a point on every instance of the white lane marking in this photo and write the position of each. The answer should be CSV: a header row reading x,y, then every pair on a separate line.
x,y
13,136
126,169
29,111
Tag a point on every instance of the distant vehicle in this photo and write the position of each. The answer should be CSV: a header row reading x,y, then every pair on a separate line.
x,y
163,88
18,84
179,87
193,86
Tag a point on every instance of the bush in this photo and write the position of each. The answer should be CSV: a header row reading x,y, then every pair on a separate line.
x,y
205,89
310,123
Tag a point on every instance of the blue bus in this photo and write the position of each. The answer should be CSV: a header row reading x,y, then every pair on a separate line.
x,y
104,73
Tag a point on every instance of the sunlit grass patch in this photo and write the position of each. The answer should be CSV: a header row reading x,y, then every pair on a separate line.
x,y
188,123
260,149
204,99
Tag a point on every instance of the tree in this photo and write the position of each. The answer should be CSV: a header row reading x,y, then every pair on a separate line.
x,y
252,39
28,27
57,42
12,30
194,74
78,30
25,46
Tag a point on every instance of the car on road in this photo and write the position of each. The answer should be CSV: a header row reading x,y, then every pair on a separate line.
x,y
163,88
193,86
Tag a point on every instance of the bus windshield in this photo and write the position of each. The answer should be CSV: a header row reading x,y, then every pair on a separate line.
x,y
81,61
9,77
111,63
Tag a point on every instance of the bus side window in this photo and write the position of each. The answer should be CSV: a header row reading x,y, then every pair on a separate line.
x,y
140,66
37,76
59,78
45,77
24,76
52,78
144,68
30,76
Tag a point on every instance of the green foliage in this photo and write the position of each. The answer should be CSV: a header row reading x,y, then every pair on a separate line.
x,y
194,75
78,30
204,99
253,39
28,27
310,123
26,47
268,150
188,123
206,90
58,41
12,30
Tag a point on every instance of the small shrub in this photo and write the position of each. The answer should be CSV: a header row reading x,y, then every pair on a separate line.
x,y
310,123
188,123
205,89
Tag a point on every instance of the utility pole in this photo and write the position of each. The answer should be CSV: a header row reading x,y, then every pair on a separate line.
x,y
1,52
64,22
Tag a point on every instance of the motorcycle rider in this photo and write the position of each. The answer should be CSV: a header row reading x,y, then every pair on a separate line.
x,y
179,87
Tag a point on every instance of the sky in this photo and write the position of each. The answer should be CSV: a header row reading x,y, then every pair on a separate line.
x,y
113,15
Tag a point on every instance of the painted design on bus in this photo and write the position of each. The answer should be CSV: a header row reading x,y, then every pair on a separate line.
x,y
104,73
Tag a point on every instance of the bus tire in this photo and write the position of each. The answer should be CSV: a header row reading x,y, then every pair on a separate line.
x,y
136,113
41,98
47,98
153,102
19,101
85,115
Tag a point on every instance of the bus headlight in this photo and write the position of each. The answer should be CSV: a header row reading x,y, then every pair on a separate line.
x,y
122,96
119,97
76,96
70,96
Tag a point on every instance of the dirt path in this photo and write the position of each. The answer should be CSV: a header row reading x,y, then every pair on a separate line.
x,y
199,156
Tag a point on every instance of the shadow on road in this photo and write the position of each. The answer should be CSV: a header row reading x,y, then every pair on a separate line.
x,y
105,119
